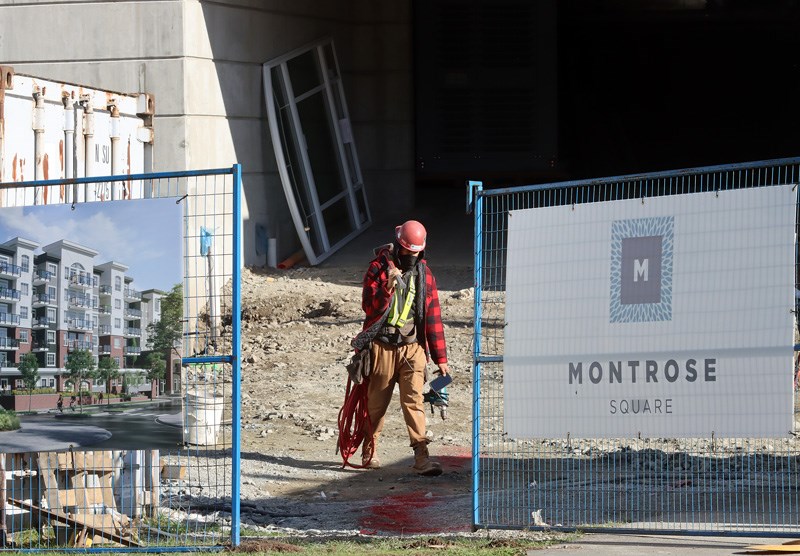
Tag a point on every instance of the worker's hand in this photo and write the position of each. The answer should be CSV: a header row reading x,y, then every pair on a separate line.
x,y
444,368
394,274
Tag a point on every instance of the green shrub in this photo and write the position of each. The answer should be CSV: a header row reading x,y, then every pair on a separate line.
x,y
34,391
8,420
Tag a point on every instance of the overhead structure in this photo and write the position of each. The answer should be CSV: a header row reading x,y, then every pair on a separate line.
x,y
314,147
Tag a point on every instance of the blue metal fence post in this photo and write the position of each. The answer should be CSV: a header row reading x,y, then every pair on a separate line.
x,y
236,363
476,201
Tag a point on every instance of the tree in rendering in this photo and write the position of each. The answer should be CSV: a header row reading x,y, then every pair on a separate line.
x,y
29,369
80,366
165,334
156,369
108,370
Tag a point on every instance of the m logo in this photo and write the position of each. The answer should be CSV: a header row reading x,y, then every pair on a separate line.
x,y
641,269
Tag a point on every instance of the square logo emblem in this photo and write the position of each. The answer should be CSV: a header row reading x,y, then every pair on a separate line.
x,y
640,274
641,269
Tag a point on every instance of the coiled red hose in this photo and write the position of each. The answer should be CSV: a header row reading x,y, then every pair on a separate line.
x,y
354,422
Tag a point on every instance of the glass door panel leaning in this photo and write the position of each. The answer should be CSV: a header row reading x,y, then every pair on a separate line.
x,y
321,145
315,150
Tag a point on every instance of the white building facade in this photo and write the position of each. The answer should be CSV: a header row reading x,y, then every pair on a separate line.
x,y
60,300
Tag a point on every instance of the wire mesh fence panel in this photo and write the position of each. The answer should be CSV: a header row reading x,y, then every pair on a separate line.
x,y
698,485
128,313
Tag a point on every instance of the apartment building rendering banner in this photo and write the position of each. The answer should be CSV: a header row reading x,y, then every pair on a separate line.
x,y
79,288
661,317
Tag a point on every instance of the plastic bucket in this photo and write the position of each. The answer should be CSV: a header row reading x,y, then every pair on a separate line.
x,y
203,418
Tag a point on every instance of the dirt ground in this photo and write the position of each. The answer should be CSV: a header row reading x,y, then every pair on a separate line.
x,y
296,329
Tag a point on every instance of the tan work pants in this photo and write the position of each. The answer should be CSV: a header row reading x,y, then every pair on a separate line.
x,y
403,365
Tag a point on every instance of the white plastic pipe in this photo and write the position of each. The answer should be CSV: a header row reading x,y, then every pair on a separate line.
x,y
69,144
272,255
38,144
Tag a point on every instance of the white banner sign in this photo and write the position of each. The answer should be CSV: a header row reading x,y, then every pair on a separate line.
x,y
668,317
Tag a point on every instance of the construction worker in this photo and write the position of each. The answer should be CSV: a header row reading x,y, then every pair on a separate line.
x,y
403,320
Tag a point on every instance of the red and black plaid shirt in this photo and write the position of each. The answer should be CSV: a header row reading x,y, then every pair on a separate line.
x,y
376,296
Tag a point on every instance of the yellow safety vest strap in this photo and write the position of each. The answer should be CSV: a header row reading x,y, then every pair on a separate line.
x,y
397,317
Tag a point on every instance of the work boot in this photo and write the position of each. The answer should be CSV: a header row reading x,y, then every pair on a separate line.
x,y
368,458
423,464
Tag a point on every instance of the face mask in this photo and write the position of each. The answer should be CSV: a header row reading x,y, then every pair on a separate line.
x,y
407,262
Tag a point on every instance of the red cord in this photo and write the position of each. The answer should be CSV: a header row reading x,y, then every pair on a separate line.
x,y
354,423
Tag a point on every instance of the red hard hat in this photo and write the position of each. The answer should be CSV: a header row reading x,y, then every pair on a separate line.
x,y
411,235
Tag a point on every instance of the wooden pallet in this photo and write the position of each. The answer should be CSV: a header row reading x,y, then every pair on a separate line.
x,y
75,484
85,524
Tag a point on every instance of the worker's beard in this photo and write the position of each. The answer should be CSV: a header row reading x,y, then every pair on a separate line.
x,y
407,262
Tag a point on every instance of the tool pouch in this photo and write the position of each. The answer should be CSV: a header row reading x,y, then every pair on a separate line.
x,y
360,364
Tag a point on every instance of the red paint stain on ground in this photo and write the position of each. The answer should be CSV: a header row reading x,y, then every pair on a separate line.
x,y
426,511
407,513
398,512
